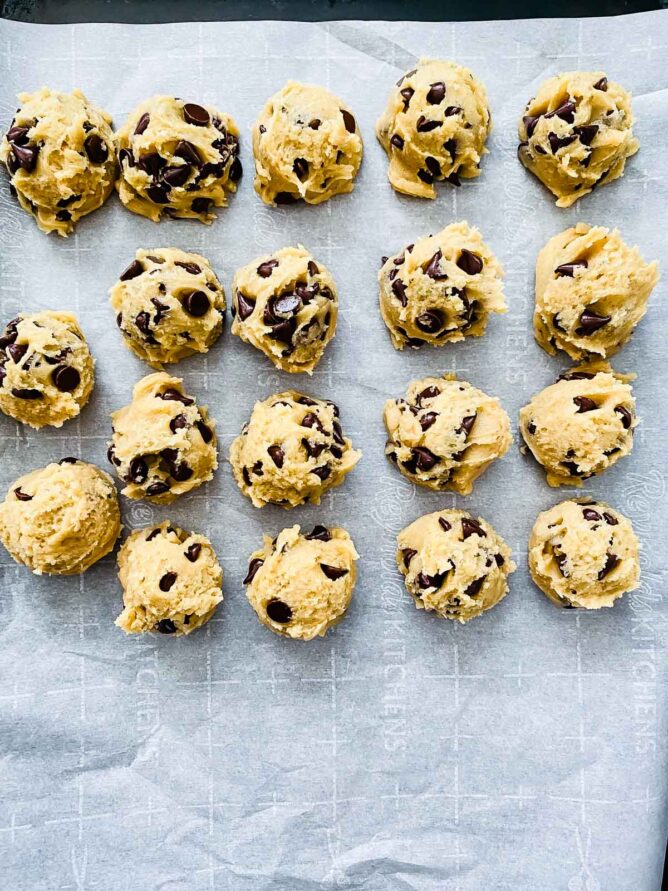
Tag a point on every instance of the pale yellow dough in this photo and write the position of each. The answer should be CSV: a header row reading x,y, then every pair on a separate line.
x,y
163,444
171,580
285,304
577,133
177,158
583,553
300,585
61,518
169,304
444,433
307,146
591,291
435,127
441,289
454,564
61,157
46,369
582,424
291,451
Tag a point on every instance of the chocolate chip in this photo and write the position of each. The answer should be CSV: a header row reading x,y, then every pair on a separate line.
x,y
63,216
433,166
176,176
196,303
424,458
474,587
430,321
592,515
450,145
425,581
300,167
611,561
21,495
427,393
142,124
195,114
590,322
126,155
557,142
17,351
399,291
610,520
24,393
245,306
285,198
236,171
178,423
66,378
165,626
337,433
333,573
278,611
397,142
428,419
134,269
277,455
568,269
571,467
425,126
264,270
153,533
193,551
566,112
187,152
315,124
322,472
201,205
143,322
469,262
407,94
443,523
586,133
167,581
96,149
407,555
576,376
530,123
436,93
285,305
312,268
584,404
111,456
467,424
531,428
498,559
426,177
253,567
192,268
158,488
64,202
602,85
560,560
138,471
472,527
173,395
626,416
68,460
349,121
205,431
26,156
18,135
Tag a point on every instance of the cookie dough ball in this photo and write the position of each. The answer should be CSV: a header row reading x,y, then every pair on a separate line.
x,y
168,304
163,444
60,154
582,553
291,451
171,581
582,424
286,306
307,146
178,159
577,133
445,433
434,128
46,369
591,291
440,289
300,585
454,565
60,519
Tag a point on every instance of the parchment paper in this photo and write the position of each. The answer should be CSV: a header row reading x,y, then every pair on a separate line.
x,y
524,751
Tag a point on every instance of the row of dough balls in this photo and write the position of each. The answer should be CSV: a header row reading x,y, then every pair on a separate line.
x,y
180,159
64,517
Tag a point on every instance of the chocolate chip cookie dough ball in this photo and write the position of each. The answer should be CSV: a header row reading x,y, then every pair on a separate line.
x,y
286,306
591,291
445,433
46,369
59,152
168,304
454,565
178,159
291,451
434,128
163,444
580,425
61,518
582,553
307,146
440,289
171,581
300,585
577,133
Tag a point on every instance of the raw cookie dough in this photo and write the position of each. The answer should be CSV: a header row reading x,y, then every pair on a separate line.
x,y
291,451
577,133
300,585
171,580
440,289
61,518
445,433
435,127
46,369
582,424
177,158
582,553
163,444
285,304
307,145
591,291
60,154
453,564
168,304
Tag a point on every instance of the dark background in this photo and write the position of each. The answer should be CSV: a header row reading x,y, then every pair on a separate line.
x,y
59,11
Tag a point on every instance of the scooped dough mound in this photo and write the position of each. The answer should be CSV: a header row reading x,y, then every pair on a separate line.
x,y
307,146
291,451
171,580
577,133
453,564
60,154
300,585
286,305
441,289
46,370
169,304
591,291
583,553
580,425
435,127
445,433
177,158
61,518
163,444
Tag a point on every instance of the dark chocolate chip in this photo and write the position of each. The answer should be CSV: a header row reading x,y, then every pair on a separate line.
x,y
474,587
436,93
173,395
433,166
196,303
428,419
322,472
245,306
17,351
204,431
590,322
201,205
176,176
68,460
142,124
602,85
253,567
193,551
285,198
315,124
279,612
195,114
21,495
625,415
566,112
557,142
586,133
18,135
426,177
134,269
425,126
319,533
138,471
187,152
397,142
66,378
158,488
349,121
167,581
333,573
467,424
26,393
498,559
165,626
425,581
236,171
568,269
469,262
399,291
472,527
264,270
178,423
143,322
443,523
584,404
424,458
407,555
300,167
531,428
610,520
571,467
430,321
611,561
450,145
407,94
427,393
277,455
592,515
96,149
26,156
312,268
530,123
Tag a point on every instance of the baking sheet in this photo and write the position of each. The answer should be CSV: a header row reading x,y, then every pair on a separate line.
x,y
525,750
